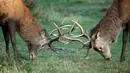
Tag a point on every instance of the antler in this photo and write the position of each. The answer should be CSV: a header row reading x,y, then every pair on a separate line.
x,y
60,35
83,34
85,44
82,31
59,32
58,28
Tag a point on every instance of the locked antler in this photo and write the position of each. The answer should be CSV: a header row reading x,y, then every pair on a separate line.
x,y
59,33
83,34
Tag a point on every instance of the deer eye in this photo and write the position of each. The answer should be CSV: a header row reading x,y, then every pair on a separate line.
x,y
42,33
100,49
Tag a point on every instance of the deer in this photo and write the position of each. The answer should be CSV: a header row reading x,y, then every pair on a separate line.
x,y
107,30
117,18
15,17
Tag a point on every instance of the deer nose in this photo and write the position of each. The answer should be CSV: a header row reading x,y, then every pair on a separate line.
x,y
107,59
32,56
46,41
42,45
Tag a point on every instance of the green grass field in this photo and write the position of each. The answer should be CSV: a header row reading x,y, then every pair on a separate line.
x,y
88,14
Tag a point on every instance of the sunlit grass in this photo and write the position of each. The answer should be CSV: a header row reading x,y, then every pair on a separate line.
x,y
67,60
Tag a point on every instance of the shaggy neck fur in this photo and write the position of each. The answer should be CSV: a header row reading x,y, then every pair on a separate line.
x,y
111,24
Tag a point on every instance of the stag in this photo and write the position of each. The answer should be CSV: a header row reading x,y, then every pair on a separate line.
x,y
15,17
116,18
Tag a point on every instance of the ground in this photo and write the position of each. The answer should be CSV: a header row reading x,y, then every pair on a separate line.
x,y
67,60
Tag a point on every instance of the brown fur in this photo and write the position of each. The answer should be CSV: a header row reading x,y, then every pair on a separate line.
x,y
109,27
116,17
29,3
14,16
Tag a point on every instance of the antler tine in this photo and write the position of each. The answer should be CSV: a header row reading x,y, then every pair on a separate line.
x,y
72,29
70,39
61,27
87,36
63,20
59,36
64,26
82,31
58,29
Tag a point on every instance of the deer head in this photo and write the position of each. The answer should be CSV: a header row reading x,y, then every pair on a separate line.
x,y
36,43
101,45
95,42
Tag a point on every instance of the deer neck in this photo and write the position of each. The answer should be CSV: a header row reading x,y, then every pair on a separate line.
x,y
110,25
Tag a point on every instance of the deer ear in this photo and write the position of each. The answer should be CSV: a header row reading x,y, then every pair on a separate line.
x,y
42,33
95,36
98,35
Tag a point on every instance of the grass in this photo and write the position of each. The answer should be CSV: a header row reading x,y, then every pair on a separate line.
x,y
88,14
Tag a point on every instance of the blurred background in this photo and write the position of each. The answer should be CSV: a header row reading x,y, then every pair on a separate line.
x,y
88,13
